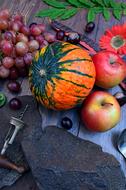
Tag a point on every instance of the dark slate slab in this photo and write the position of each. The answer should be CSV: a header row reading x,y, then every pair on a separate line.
x,y
61,161
15,153
26,182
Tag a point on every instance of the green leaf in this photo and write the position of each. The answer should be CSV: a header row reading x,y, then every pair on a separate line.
x,y
98,9
91,15
69,13
117,14
99,2
87,3
112,3
57,14
54,3
75,3
106,14
124,12
123,5
48,12
106,3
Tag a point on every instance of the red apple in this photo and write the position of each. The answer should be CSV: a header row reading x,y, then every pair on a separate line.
x,y
100,111
110,69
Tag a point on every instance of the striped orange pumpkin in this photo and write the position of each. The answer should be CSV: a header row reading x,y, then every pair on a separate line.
x,y
61,76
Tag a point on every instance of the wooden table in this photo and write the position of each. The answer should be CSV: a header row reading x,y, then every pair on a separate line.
x,y
108,139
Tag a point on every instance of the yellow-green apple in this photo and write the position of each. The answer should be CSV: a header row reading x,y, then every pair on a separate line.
x,y
100,111
110,69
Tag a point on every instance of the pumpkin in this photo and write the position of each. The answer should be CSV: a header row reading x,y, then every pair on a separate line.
x,y
61,75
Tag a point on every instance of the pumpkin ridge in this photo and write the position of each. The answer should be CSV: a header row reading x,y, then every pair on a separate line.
x,y
75,71
60,55
74,60
81,85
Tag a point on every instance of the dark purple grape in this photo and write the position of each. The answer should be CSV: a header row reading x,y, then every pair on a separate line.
x,y
19,62
28,57
73,38
40,39
8,36
23,72
15,104
66,123
121,98
32,24
13,73
60,35
14,86
89,27
25,30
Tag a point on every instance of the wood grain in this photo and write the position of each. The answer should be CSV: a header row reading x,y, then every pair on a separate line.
x,y
108,139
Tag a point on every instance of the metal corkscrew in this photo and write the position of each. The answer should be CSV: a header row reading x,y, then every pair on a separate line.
x,y
16,125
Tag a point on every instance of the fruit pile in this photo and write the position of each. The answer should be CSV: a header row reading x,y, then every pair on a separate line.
x,y
19,43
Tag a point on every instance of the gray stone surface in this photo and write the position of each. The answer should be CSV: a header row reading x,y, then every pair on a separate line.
x,y
58,160
61,161
14,152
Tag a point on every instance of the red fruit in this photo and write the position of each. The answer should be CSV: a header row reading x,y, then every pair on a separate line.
x,y
28,57
49,37
16,25
4,14
4,72
45,43
25,30
17,17
3,24
40,39
42,27
100,111
35,30
8,36
8,62
2,42
19,62
21,38
14,55
33,45
31,37
7,48
14,36
21,48
110,69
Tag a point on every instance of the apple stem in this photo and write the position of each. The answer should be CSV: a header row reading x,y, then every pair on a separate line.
x,y
105,104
